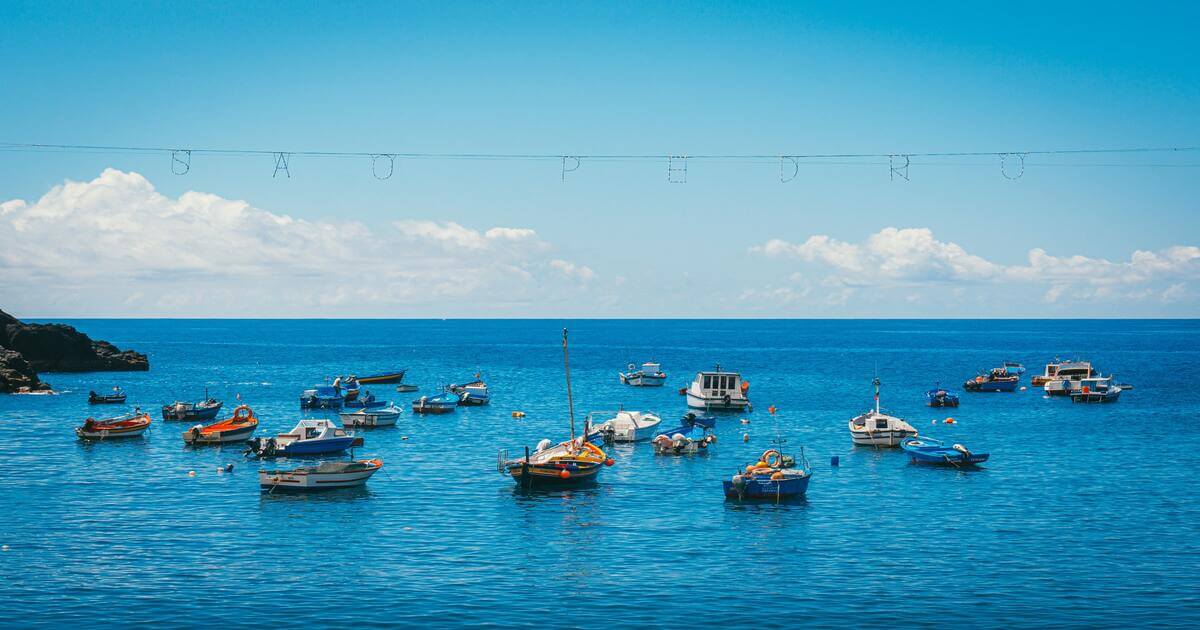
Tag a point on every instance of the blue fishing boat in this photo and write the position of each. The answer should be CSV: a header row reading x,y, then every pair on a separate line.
x,y
997,380
774,477
206,409
444,402
365,401
472,394
1012,368
926,450
312,436
938,397
322,397
693,436
115,398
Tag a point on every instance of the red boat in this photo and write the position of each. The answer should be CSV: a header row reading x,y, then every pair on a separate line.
x,y
131,425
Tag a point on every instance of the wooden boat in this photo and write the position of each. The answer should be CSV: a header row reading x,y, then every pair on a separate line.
x,y
322,397
115,398
774,477
384,377
1097,390
622,426
997,380
236,428
472,394
574,463
312,436
444,402
938,397
718,390
380,417
206,409
649,375
925,450
875,428
130,425
323,476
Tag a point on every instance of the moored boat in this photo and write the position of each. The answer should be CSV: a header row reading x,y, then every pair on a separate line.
x,y
926,450
622,426
875,428
323,476
1096,390
322,397
996,380
718,390
683,439
115,398
444,402
383,377
129,425
311,436
649,375
1013,368
236,428
406,387
381,417
472,394
1068,376
199,411
365,401
939,397
774,476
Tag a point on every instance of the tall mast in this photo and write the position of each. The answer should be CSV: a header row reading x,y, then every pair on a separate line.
x,y
876,383
570,399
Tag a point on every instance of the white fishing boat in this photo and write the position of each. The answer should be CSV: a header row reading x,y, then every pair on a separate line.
x,y
323,476
718,390
875,428
650,375
622,426
1067,377
1096,390
378,417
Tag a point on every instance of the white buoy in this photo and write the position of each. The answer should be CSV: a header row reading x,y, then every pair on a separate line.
x,y
3,547
191,473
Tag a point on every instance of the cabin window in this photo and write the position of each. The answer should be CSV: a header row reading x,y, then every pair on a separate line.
x,y
881,423
708,381
724,382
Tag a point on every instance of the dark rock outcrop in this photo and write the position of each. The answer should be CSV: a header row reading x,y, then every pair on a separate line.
x,y
55,348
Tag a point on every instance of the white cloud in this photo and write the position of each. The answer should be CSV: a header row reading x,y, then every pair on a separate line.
x,y
115,245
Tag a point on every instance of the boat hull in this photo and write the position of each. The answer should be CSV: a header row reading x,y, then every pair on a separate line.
x,y
302,480
315,447
169,412
107,431
370,419
644,380
889,438
540,476
1095,397
435,404
406,388
320,403
717,404
106,400
228,436
934,453
364,404
991,386
390,377
768,489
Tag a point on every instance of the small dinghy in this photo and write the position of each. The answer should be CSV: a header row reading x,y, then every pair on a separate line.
x,y
381,417
365,401
938,397
684,440
322,397
130,425
774,477
115,398
323,476
406,387
622,426
997,380
925,450
1013,368
444,402
650,375
383,377
237,428
472,394
1097,390
206,409
312,436
875,428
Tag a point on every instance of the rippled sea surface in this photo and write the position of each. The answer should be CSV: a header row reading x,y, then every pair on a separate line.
x,y
1086,514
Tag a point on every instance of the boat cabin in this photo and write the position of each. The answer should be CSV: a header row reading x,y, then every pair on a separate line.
x,y
1073,371
718,384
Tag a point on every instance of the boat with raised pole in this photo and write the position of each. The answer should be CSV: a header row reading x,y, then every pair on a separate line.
x,y
621,426
198,411
444,402
1098,389
939,397
237,428
573,463
472,394
649,375
322,397
128,425
1068,376
718,390
379,417
926,450
875,428
323,476
117,397
996,380
774,477
311,436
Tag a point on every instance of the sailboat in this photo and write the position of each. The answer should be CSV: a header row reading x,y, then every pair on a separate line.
x,y
875,428
574,463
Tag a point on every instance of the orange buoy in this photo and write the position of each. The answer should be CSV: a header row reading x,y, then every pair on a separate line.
x,y
771,410
609,462
745,386
949,421
564,473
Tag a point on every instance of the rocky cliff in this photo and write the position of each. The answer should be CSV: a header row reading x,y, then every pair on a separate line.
x,y
26,349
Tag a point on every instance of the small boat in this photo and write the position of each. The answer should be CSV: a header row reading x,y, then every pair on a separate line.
x,y
312,436
1068,377
381,417
237,428
774,476
622,426
129,425
925,450
206,409
115,398
323,476
1096,390
650,375
405,387
718,390
875,428
938,397
385,377
472,394
574,463
1012,368
1049,374
365,401
444,402
997,380
683,440
322,397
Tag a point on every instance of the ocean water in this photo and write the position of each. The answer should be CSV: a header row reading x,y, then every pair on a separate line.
x,y
1086,515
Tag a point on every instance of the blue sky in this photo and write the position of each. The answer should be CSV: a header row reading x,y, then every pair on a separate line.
x,y
508,238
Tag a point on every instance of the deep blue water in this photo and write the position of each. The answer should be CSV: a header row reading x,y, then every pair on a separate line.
x,y
1086,515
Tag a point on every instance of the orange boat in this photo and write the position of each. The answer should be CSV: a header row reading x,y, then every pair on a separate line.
x,y
237,428
131,425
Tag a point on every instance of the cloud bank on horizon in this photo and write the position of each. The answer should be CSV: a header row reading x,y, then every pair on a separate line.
x,y
115,246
